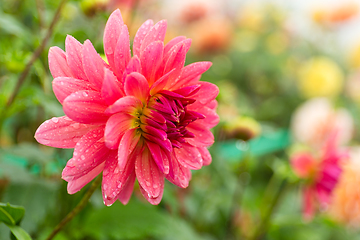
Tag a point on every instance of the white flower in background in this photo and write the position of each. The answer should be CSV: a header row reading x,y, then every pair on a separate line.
x,y
315,120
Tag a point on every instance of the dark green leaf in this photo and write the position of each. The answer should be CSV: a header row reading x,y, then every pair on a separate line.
x,y
11,214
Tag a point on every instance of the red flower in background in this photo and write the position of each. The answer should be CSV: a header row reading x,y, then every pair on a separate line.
x,y
147,116
322,174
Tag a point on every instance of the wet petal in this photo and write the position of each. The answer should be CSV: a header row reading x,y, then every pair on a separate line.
x,y
140,35
127,145
125,194
74,52
58,64
203,136
153,201
189,156
115,129
151,59
136,85
93,65
111,88
178,174
127,104
85,107
205,155
148,174
122,52
156,33
159,156
65,86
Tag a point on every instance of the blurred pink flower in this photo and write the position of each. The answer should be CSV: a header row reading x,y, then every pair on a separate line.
x,y
146,117
321,174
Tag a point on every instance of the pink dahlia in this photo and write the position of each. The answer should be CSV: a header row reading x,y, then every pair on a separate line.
x,y
147,116
321,173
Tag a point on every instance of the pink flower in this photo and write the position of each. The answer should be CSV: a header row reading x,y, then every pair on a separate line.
x,y
321,173
146,117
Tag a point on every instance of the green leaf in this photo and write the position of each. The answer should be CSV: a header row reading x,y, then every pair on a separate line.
x,y
19,233
235,150
11,214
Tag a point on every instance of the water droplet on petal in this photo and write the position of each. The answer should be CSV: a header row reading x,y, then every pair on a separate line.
x,y
82,157
55,120
85,94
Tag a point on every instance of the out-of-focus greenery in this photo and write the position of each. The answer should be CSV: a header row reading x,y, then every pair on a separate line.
x,y
248,192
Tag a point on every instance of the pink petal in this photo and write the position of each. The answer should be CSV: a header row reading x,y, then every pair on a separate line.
x,y
133,66
205,95
159,156
65,86
160,83
61,132
74,52
203,136
127,104
205,155
156,33
125,194
58,64
151,59
112,33
122,52
211,117
77,184
136,85
111,88
172,43
126,147
175,60
93,65
189,156
148,174
115,129
85,107
90,151
140,35
190,74
152,200
114,180
178,174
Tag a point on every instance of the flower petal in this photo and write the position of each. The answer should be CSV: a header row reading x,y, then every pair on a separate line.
x,y
151,59
159,156
178,174
189,156
77,184
61,132
140,35
127,104
136,85
134,65
112,32
114,180
148,174
115,129
205,95
58,64
85,107
206,156
153,201
156,33
172,43
90,151
203,136
190,75
74,52
161,83
127,145
125,194
122,52
65,86
93,65
111,88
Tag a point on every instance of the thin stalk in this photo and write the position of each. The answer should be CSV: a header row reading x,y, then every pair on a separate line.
x,y
275,199
35,55
77,209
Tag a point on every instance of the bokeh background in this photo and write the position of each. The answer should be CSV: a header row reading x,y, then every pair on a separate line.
x,y
289,78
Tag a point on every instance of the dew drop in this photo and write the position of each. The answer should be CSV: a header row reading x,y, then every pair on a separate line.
x,y
116,170
85,94
82,157
55,120
147,183
76,125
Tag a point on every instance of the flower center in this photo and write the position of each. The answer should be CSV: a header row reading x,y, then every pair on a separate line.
x,y
166,117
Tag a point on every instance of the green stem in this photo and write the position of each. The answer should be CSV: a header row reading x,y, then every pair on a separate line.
x,y
77,209
279,185
35,55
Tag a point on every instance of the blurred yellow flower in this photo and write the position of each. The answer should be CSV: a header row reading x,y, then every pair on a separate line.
x,y
277,42
345,205
354,58
252,17
320,77
336,13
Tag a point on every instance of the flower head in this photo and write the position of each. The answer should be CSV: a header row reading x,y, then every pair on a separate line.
x,y
321,174
144,117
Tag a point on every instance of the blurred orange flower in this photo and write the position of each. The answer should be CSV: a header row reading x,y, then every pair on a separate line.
x,y
336,14
345,206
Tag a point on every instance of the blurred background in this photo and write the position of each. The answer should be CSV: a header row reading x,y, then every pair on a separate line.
x,y
286,161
